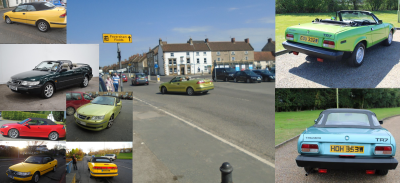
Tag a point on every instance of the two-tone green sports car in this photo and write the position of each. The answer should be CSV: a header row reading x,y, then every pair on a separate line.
x,y
99,114
187,85
345,36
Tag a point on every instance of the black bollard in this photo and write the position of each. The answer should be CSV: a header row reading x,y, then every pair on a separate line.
x,y
226,173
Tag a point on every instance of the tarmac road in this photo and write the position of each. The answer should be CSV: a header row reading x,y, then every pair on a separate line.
x,y
379,70
288,171
28,34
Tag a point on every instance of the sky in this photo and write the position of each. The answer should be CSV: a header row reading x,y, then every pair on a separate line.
x,y
23,144
172,21
86,146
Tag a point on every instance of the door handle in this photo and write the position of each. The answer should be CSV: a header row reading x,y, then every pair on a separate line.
x,y
23,13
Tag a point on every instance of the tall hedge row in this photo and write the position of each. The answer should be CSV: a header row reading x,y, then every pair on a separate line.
x,y
19,115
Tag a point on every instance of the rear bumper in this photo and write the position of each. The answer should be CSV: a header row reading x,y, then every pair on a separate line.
x,y
363,163
140,82
103,174
203,89
314,51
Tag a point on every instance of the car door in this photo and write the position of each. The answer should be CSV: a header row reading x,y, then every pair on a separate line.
x,y
64,78
43,129
118,107
76,100
31,14
47,165
173,84
19,14
29,128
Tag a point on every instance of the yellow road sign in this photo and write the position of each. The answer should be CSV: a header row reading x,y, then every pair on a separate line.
x,y
117,38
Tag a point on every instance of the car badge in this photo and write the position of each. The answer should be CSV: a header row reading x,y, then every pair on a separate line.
x,y
347,137
308,32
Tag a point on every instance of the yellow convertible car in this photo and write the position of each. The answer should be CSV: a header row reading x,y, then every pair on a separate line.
x,y
186,85
99,114
102,167
32,168
43,15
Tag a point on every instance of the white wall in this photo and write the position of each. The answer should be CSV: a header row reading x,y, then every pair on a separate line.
x,y
17,58
193,60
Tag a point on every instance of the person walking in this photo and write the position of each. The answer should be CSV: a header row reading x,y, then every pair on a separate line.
x,y
109,84
116,81
74,162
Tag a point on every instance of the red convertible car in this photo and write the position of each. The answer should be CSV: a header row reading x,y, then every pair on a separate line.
x,y
34,127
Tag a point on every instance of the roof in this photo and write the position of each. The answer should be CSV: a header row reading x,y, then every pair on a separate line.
x,y
49,122
39,5
185,47
270,46
263,56
348,110
230,46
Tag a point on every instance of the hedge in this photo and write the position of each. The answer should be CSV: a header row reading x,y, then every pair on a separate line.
x,y
19,115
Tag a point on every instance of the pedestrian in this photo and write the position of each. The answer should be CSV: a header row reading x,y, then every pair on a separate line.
x,y
109,84
74,162
116,81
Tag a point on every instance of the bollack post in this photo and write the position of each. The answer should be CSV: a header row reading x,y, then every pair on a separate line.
x,y
226,173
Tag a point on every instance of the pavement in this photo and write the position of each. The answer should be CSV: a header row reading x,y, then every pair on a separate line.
x,y
50,177
120,131
28,34
7,138
287,170
379,70
27,102
124,172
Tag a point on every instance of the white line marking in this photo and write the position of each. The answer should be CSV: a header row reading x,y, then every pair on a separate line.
x,y
125,167
215,136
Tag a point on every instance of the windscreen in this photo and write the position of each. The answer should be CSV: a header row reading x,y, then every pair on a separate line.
x,y
34,159
357,17
103,100
47,65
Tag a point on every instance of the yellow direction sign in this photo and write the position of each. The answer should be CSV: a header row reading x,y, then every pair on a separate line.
x,y
117,38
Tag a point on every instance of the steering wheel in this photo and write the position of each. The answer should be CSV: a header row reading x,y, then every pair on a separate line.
x,y
367,22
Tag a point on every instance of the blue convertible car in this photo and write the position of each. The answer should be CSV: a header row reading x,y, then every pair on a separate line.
x,y
347,139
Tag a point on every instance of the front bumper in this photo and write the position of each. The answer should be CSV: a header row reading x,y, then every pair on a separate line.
x,y
4,131
20,178
314,51
330,162
90,125
36,89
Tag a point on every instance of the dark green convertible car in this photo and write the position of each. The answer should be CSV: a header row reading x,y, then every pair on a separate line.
x,y
50,76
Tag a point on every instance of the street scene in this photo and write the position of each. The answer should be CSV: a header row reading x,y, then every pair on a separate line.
x,y
16,154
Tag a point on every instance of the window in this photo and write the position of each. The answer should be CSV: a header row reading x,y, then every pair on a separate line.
x,y
76,96
197,53
87,97
205,68
69,96
170,70
187,53
188,60
17,1
170,62
218,53
233,53
247,58
198,60
174,70
233,58
205,60
188,69
204,53
20,8
356,119
174,61
246,52
218,59
30,8
172,54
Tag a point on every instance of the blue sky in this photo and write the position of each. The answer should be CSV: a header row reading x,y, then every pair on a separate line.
x,y
172,21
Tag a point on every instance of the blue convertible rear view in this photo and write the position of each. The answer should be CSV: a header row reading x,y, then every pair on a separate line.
x,y
347,139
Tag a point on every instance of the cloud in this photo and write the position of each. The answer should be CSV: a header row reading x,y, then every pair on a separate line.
x,y
233,8
263,20
191,29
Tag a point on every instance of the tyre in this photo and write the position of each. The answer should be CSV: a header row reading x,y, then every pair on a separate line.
x,y
382,172
164,90
234,80
8,20
389,39
85,82
247,80
205,92
189,91
53,136
70,111
47,90
110,122
226,79
43,26
54,169
35,177
357,57
13,133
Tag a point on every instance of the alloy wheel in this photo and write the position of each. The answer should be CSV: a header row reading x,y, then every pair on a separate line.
x,y
36,177
85,81
110,122
42,26
70,110
13,133
53,136
8,20
360,54
48,91
248,80
190,91
390,37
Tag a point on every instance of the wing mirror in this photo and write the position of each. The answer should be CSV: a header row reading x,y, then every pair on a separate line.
x,y
119,104
26,124
380,122
380,21
333,18
315,121
88,160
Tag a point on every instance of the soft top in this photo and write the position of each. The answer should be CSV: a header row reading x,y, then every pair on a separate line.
x,y
39,5
323,118
49,122
95,159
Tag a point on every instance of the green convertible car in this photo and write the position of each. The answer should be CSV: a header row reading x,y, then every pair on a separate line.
x,y
99,114
345,36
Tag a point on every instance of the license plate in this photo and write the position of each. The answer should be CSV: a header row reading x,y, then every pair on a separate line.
x,y
11,176
82,123
105,170
309,39
13,88
258,78
346,149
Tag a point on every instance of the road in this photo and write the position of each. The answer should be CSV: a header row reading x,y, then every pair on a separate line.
x,y
287,170
240,114
50,177
124,172
7,138
27,34
379,70
120,131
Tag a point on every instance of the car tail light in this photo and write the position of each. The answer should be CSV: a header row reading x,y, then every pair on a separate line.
x,y
370,172
295,53
329,44
320,60
379,150
290,37
200,82
322,170
104,167
312,148
63,15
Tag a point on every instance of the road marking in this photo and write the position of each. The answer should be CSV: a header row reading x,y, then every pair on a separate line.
x,y
209,133
125,167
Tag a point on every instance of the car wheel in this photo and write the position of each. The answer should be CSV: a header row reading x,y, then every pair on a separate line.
x,y
54,169
8,20
205,92
226,79
70,111
43,26
247,80
35,177
382,172
234,80
85,82
189,91
13,133
357,57
164,90
110,122
47,90
389,39
53,136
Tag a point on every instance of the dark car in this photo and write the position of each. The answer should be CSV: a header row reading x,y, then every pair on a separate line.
x,y
102,86
140,79
265,74
272,70
75,100
50,76
225,74
247,76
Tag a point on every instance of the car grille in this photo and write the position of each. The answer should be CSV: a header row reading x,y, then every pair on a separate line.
x,y
12,172
80,116
18,82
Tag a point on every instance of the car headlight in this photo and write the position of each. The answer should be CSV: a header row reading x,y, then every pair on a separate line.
x,y
97,117
230,74
253,77
30,83
10,80
23,173
4,126
272,77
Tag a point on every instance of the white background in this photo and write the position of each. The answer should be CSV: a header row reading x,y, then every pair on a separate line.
x,y
17,58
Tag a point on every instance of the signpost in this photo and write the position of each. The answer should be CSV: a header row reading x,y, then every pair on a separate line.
x,y
118,38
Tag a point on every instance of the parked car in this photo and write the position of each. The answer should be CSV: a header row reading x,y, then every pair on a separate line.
x,y
57,2
102,85
124,78
345,36
111,157
34,127
99,114
347,139
43,15
97,165
75,100
32,168
247,76
265,74
50,76
140,79
187,85
225,74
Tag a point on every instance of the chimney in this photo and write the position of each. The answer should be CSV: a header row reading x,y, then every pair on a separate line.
x,y
269,40
191,41
206,40
233,40
247,40
149,49
160,42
